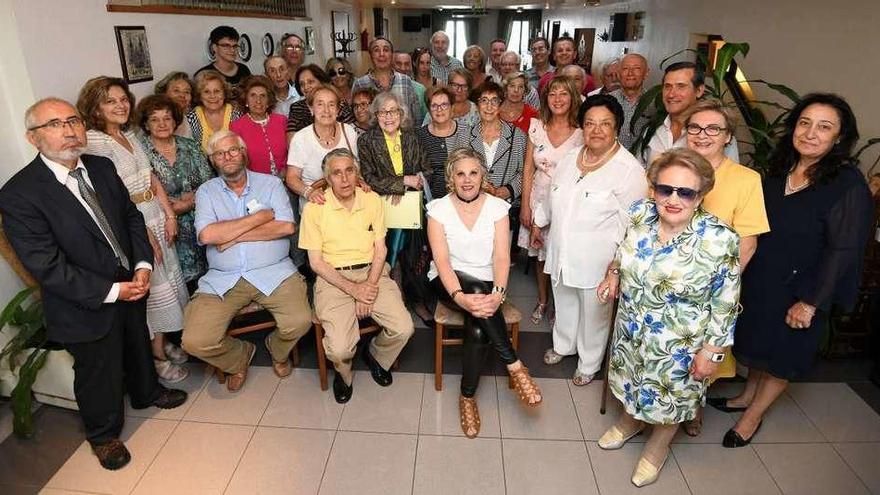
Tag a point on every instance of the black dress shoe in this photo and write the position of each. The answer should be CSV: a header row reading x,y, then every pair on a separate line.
x,y
169,398
341,391
381,376
720,403
732,439
112,455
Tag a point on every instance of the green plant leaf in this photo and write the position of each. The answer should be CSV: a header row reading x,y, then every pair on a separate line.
x,y
22,397
13,306
723,57
779,88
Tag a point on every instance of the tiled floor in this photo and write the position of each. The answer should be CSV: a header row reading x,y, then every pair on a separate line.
x,y
286,436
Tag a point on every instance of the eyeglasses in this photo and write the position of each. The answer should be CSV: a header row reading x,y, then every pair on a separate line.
x,y
457,87
493,102
231,152
686,194
605,125
710,130
295,48
338,72
56,125
440,106
227,46
388,113
358,106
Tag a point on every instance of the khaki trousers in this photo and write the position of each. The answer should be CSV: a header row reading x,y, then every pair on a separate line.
x,y
207,317
336,310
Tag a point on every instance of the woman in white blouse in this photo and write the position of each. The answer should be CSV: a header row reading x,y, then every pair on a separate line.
x,y
469,237
591,190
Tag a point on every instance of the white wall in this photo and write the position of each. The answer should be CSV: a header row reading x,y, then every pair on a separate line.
x,y
809,45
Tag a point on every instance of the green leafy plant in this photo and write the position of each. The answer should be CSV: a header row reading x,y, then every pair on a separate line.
x,y
26,314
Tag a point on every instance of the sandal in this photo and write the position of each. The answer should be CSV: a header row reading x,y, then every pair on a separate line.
x,y
694,427
469,416
170,372
175,354
538,313
552,357
525,387
581,379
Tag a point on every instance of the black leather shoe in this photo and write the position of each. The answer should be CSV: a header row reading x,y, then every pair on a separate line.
x,y
381,376
732,439
720,403
341,391
112,455
169,398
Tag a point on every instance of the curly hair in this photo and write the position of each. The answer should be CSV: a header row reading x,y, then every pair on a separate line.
x,y
155,103
93,93
785,157
251,82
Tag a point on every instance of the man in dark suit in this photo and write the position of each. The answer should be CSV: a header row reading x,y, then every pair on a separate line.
x,y
69,218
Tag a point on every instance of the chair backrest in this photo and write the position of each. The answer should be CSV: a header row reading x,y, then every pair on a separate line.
x,y
9,255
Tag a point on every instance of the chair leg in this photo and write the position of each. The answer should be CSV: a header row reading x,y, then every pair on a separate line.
x,y
438,356
294,356
514,335
322,359
217,372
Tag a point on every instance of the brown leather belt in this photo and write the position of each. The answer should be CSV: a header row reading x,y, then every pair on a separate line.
x,y
145,195
354,267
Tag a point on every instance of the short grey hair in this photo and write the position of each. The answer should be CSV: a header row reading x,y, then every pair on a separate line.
x,y
439,33
574,66
221,135
30,120
512,77
384,97
510,53
338,153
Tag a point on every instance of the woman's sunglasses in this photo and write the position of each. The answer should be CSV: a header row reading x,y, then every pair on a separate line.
x,y
663,191
338,72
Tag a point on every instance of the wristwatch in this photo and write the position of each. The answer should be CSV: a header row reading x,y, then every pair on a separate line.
x,y
715,357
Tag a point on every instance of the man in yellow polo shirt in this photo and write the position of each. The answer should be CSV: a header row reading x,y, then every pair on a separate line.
x,y
345,239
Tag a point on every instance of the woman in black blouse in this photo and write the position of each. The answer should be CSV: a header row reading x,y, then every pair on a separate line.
x,y
819,209
307,78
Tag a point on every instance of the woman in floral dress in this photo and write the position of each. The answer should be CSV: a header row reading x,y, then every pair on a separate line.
x,y
677,271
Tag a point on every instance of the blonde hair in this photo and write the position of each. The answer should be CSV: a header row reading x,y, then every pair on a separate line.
x,y
689,159
713,105
458,155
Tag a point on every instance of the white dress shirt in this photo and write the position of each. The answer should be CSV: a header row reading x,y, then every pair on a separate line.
x,y
62,174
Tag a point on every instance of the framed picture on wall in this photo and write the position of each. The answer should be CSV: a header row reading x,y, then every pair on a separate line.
x,y
584,39
310,40
134,53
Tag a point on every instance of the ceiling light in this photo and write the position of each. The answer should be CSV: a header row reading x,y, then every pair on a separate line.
x,y
519,10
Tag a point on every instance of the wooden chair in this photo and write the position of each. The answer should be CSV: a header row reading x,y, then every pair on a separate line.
x,y
446,317
367,326
244,322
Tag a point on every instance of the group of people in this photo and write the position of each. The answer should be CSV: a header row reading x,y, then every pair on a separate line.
x,y
239,188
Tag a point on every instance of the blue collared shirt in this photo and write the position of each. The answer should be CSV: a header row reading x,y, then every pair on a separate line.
x,y
265,264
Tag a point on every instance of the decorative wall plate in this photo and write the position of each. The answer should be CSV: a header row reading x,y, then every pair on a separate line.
x,y
244,47
268,44
209,51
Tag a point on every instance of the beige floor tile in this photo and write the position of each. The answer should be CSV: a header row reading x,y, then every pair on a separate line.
x,y
299,402
553,419
57,491
786,423
143,437
864,459
839,413
587,400
283,461
370,463
218,405
715,425
393,409
712,469
545,466
440,409
198,458
193,385
614,470
447,465
806,469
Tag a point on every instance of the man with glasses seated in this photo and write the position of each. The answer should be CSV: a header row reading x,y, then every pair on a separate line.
x,y
683,85
224,46
245,220
345,239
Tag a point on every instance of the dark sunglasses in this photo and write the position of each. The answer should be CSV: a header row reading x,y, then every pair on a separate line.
x,y
685,193
338,72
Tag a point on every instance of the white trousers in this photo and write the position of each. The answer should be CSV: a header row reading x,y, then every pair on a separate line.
x,y
582,326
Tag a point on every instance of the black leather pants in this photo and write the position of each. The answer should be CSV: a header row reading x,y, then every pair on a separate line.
x,y
479,333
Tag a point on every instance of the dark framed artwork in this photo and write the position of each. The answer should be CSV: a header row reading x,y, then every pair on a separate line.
x,y
310,40
584,39
134,53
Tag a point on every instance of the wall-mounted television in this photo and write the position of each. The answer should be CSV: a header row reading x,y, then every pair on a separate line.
x,y
412,23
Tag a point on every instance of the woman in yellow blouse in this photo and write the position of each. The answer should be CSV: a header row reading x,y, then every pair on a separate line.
x,y
737,198
212,113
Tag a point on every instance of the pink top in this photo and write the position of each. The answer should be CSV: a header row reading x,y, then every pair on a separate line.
x,y
266,144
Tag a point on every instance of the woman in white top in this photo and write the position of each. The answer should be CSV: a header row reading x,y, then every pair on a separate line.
x,y
309,146
586,211
106,105
468,233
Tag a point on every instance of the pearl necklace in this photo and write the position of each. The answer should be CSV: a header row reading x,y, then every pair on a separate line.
x,y
790,189
585,165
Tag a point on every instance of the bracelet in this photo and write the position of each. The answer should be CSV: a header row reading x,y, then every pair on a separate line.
x,y
307,191
454,293
499,288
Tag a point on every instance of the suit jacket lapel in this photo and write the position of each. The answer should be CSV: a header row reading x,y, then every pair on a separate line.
x,y
65,201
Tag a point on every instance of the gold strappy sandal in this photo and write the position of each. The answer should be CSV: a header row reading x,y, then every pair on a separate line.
x,y
525,387
469,415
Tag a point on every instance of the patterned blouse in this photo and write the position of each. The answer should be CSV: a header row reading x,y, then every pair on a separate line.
x,y
189,171
201,132
673,298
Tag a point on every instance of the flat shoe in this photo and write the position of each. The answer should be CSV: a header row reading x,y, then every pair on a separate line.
x,y
235,381
614,439
720,403
112,455
282,369
646,473
169,372
175,354
551,357
581,379
341,391
538,313
733,440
